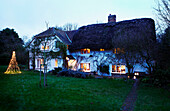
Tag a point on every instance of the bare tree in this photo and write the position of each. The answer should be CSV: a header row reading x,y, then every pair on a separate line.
x,y
163,14
70,26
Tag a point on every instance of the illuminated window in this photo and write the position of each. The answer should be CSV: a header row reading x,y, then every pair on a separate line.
x,y
85,66
114,68
114,51
56,63
118,68
118,50
101,49
46,44
85,51
40,62
67,46
46,48
123,68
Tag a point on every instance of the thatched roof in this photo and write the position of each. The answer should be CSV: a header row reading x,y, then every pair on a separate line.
x,y
98,36
65,36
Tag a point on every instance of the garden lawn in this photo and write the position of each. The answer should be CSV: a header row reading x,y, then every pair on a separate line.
x,y
152,99
22,92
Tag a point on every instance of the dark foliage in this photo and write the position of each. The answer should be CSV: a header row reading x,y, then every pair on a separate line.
x,y
104,69
161,77
161,72
56,70
71,73
10,41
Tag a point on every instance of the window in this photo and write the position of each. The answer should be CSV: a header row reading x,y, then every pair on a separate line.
x,y
123,68
118,50
46,48
101,49
114,68
114,51
40,62
85,66
57,44
46,44
56,63
85,51
118,68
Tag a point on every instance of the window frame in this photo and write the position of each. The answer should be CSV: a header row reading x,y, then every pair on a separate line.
x,y
86,67
118,69
85,51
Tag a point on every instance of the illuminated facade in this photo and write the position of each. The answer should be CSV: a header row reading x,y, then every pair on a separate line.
x,y
92,45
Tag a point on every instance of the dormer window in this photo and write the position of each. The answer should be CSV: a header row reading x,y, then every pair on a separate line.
x,y
101,49
85,51
118,50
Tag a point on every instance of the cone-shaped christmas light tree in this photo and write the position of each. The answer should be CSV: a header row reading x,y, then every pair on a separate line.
x,y
13,66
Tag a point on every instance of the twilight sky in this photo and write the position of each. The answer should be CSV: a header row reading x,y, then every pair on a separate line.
x,y
27,17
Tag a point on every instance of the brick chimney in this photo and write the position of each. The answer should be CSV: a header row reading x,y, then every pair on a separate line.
x,y
111,18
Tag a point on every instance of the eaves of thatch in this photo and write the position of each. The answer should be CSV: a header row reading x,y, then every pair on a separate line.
x,y
97,36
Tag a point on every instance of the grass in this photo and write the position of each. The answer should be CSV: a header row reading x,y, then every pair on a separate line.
x,y
152,99
22,92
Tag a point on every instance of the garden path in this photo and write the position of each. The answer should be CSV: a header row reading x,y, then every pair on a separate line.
x,y
129,102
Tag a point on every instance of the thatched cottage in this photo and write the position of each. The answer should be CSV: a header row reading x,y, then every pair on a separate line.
x,y
91,48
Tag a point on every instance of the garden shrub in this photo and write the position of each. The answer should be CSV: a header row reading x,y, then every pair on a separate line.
x,y
104,68
56,70
145,80
71,73
160,77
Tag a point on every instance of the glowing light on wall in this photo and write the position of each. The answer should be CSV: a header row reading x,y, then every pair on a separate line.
x,y
137,74
134,77
13,66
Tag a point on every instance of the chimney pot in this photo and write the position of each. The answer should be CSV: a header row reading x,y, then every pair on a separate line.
x,y
111,18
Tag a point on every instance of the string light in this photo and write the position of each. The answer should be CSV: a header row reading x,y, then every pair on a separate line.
x,y
13,66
